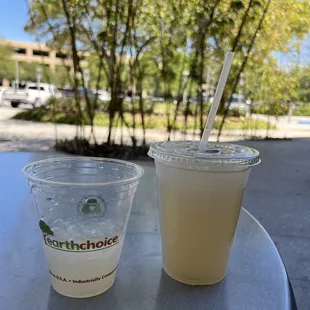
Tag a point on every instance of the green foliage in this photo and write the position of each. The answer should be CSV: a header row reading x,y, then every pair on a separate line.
x,y
236,112
61,77
269,84
303,85
27,71
102,119
146,47
6,64
274,109
303,110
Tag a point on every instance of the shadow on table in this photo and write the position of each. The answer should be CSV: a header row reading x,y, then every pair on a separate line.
x,y
175,295
170,295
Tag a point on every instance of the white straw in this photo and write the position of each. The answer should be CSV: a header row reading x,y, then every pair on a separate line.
x,y
216,101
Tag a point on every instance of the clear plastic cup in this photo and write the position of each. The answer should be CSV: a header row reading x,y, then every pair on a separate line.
x,y
83,205
200,201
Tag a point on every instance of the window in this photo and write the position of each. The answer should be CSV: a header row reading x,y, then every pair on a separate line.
x,y
20,51
61,55
53,90
40,53
35,88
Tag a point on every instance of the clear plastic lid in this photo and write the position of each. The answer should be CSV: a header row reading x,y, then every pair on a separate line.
x,y
218,156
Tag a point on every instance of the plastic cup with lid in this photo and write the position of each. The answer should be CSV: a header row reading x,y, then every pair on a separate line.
x,y
200,200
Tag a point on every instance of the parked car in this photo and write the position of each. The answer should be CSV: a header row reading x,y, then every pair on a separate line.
x,y
34,94
2,89
158,98
103,95
68,92
238,103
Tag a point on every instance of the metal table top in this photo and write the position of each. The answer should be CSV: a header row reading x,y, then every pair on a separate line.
x,y
256,279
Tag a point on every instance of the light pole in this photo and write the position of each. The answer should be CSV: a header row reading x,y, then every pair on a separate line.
x,y
38,76
86,75
241,83
185,78
209,87
16,75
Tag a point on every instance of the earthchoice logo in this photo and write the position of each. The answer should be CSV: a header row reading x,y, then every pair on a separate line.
x,y
92,206
73,246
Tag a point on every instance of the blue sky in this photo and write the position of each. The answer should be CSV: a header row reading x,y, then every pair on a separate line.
x,y
13,17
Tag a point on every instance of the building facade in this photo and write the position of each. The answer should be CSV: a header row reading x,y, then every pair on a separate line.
x,y
38,53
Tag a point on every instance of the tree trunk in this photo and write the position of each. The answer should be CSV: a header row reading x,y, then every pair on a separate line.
x,y
234,49
244,62
75,57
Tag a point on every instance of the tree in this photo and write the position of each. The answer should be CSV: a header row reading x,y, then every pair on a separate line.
x,y
136,45
60,76
277,26
303,88
6,64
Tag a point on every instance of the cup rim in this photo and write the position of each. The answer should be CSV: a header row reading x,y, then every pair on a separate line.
x,y
29,167
220,156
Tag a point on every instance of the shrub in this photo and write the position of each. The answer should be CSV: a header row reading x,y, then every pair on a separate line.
x,y
274,109
236,112
303,110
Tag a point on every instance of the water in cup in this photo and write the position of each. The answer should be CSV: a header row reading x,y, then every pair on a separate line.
x,y
82,252
83,205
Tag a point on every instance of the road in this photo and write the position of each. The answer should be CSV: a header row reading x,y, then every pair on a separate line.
x,y
17,135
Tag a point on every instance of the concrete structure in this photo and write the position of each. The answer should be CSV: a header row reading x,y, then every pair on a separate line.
x,y
39,53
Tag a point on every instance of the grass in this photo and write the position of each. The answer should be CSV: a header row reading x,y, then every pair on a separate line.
x,y
282,110
234,123
152,122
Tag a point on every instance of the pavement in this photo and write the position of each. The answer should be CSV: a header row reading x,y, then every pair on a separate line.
x,y
18,135
278,192
278,195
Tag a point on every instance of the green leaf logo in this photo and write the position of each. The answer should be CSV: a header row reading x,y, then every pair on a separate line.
x,y
91,207
45,228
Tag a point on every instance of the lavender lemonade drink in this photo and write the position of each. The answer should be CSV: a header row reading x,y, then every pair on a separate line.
x,y
200,202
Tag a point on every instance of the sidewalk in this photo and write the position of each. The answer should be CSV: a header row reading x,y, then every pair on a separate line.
x,y
17,135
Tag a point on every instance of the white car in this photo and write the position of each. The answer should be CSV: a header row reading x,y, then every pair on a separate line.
x,y
2,89
34,94
103,95
238,103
